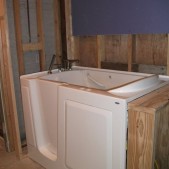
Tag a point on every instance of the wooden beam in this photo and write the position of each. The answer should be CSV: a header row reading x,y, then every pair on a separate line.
x,y
168,55
57,24
148,134
100,49
40,34
129,53
8,88
1,8
18,35
69,36
32,47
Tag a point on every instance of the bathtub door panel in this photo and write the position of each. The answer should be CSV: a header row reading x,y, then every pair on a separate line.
x,y
88,137
92,130
30,134
44,106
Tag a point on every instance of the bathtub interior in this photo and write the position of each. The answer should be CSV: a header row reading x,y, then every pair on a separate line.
x,y
118,83
95,79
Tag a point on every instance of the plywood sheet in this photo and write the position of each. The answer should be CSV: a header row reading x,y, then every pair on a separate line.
x,y
116,48
151,49
88,51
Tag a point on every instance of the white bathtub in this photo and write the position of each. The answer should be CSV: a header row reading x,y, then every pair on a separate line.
x,y
78,119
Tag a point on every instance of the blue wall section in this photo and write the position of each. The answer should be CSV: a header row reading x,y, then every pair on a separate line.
x,y
92,17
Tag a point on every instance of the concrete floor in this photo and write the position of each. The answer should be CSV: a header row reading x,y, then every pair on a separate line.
x,y
9,161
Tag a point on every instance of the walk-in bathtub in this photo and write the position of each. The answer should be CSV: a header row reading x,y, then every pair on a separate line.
x,y
78,119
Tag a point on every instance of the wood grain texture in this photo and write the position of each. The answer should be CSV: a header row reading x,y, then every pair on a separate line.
x,y
116,48
88,53
149,115
140,140
1,8
151,49
100,49
18,35
162,138
69,37
130,52
57,25
7,86
40,33
32,47
167,54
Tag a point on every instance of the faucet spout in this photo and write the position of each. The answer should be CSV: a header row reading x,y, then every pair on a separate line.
x,y
52,64
66,64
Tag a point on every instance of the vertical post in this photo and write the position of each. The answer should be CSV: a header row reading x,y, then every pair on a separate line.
x,y
57,24
40,34
129,53
8,86
100,49
69,37
18,34
168,54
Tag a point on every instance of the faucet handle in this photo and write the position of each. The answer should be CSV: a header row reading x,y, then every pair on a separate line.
x,y
69,62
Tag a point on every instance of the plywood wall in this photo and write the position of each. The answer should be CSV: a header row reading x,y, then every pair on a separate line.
x,y
148,49
151,49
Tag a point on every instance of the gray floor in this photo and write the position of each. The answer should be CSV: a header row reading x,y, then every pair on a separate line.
x,y
9,161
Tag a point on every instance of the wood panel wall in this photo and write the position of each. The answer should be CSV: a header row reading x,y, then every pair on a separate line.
x,y
147,49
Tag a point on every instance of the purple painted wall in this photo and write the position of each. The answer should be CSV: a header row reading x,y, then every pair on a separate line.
x,y
93,17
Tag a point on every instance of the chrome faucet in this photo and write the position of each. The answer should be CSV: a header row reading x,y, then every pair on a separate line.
x,y
66,64
52,64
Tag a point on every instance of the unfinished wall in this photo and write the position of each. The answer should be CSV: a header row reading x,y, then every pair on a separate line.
x,y
150,49
31,58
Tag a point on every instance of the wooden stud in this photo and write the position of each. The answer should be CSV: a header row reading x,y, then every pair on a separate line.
x,y
148,130
168,55
100,49
69,36
18,35
40,34
140,140
1,8
57,23
129,53
32,47
8,88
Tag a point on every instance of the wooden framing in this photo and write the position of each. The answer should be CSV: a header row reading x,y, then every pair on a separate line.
x,y
18,35
39,46
168,54
69,37
100,49
130,52
148,131
8,85
40,32
57,24
32,47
